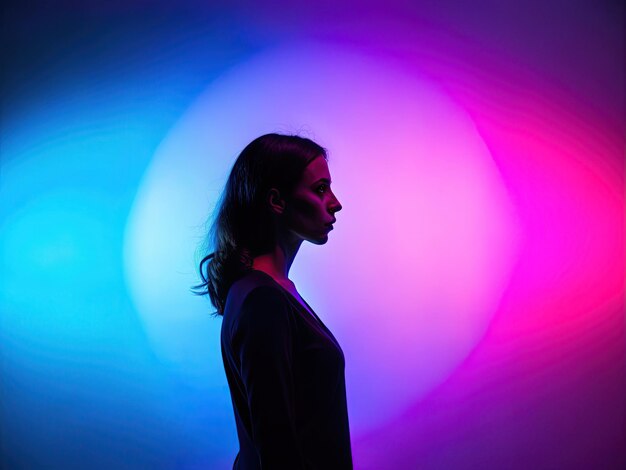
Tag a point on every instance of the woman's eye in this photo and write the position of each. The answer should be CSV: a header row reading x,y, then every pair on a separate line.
x,y
321,187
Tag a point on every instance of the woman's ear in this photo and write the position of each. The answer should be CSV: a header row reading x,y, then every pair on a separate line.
x,y
277,205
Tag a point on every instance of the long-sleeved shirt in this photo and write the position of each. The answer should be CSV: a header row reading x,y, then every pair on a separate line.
x,y
285,372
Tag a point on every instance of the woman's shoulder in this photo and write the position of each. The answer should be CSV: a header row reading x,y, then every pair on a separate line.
x,y
253,280
254,288
257,303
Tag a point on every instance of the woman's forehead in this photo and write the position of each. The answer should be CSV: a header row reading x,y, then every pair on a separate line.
x,y
315,170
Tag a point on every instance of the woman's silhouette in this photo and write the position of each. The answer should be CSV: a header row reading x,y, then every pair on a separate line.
x,y
285,369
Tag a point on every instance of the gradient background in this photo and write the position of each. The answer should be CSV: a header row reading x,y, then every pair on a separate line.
x,y
475,278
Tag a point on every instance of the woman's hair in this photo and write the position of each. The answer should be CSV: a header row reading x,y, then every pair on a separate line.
x,y
242,226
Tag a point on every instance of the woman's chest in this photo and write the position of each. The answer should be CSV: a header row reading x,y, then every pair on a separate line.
x,y
315,346
300,300
318,368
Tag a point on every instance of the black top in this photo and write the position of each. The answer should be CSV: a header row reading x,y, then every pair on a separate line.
x,y
285,372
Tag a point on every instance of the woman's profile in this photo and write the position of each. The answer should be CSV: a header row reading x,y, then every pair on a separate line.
x,y
285,369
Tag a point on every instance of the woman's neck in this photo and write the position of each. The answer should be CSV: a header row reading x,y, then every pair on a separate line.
x,y
277,262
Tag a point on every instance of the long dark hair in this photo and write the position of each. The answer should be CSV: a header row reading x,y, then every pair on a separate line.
x,y
242,227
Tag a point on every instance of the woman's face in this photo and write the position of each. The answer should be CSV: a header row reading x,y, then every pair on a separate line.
x,y
310,211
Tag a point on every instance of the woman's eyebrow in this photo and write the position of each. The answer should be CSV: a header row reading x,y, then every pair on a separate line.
x,y
325,180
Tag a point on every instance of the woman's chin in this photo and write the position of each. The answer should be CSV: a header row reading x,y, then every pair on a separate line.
x,y
319,240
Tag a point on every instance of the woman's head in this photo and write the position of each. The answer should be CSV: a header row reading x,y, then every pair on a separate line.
x,y
307,212
274,187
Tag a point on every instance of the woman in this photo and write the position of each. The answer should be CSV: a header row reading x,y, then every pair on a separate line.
x,y
285,369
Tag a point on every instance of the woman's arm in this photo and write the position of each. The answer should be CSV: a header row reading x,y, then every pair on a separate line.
x,y
263,341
